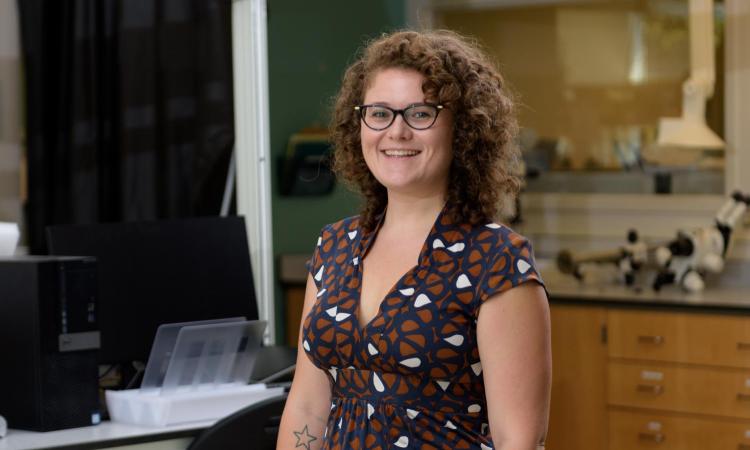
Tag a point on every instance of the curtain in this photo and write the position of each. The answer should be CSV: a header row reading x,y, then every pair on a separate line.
x,y
129,109
11,137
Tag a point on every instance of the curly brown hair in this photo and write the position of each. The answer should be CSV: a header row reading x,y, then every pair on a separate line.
x,y
484,175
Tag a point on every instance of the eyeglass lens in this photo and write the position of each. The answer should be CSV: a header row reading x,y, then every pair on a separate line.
x,y
417,116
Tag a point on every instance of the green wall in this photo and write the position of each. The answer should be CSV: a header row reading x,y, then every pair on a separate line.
x,y
309,45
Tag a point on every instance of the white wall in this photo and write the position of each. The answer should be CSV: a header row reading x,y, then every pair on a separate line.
x,y
252,146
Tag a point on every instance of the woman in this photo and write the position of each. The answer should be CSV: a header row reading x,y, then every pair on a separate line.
x,y
425,324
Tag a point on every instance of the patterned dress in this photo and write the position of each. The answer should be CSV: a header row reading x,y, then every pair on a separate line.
x,y
411,378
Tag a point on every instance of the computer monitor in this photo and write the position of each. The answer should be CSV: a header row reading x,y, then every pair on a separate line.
x,y
157,272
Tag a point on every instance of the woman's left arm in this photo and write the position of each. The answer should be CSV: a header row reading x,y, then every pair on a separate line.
x,y
513,335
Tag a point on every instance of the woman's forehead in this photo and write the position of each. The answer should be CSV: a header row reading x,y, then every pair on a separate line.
x,y
395,85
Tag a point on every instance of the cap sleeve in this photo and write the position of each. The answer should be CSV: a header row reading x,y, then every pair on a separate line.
x,y
316,264
511,263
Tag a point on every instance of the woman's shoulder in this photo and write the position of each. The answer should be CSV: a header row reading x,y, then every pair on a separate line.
x,y
496,234
331,234
338,228
330,244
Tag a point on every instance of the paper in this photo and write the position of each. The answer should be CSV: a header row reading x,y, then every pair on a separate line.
x,y
9,235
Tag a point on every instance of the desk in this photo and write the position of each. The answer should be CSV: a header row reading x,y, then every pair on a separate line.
x,y
106,435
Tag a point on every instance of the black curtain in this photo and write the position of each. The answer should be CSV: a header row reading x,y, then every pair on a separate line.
x,y
129,109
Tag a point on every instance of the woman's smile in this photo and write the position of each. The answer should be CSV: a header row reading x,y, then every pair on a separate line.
x,y
400,153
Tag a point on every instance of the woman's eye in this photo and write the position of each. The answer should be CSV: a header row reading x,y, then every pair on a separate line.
x,y
379,114
420,114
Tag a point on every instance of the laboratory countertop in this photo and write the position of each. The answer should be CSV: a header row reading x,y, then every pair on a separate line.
x,y
565,288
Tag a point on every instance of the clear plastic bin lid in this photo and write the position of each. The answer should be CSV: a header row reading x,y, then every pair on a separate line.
x,y
203,354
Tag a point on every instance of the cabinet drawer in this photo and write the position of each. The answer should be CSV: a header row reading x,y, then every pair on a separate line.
x,y
711,339
636,430
695,390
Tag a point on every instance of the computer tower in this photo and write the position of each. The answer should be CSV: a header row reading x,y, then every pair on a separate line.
x,y
49,341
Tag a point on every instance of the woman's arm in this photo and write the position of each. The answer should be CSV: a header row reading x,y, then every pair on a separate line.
x,y
513,334
309,402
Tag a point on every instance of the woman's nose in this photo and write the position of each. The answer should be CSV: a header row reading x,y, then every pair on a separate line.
x,y
399,130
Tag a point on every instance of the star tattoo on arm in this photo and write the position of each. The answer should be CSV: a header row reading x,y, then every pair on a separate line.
x,y
304,438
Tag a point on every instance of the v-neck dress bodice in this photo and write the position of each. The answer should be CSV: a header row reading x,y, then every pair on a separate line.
x,y
412,376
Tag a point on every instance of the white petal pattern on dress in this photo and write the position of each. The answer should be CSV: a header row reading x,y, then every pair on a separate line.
x,y
477,368
457,247
377,383
455,340
332,311
449,424
306,345
370,410
371,349
485,447
421,300
407,292
437,243
443,384
474,408
321,292
463,281
523,266
411,413
492,225
352,234
319,275
402,442
332,371
342,316
411,362
355,261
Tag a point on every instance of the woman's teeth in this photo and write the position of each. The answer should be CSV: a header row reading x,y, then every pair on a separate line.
x,y
400,152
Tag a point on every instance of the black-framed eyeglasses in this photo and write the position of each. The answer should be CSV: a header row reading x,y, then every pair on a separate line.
x,y
419,116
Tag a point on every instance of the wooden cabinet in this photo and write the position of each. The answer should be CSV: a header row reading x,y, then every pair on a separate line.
x,y
697,390
577,419
661,379
678,380
682,337
630,430
294,302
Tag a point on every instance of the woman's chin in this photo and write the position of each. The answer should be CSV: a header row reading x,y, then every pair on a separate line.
x,y
412,188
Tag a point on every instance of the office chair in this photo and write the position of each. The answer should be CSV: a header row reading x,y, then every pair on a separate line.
x,y
254,427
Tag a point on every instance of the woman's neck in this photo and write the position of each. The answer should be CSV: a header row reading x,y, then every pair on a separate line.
x,y
412,212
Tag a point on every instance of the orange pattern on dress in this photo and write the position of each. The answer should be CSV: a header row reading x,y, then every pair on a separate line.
x,y
412,377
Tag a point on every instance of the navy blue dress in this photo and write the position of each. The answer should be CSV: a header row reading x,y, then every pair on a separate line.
x,y
412,377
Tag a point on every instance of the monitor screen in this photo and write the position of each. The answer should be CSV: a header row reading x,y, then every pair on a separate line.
x,y
157,272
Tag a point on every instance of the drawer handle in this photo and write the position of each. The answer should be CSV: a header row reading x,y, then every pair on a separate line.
x,y
743,346
741,396
655,389
656,340
653,437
